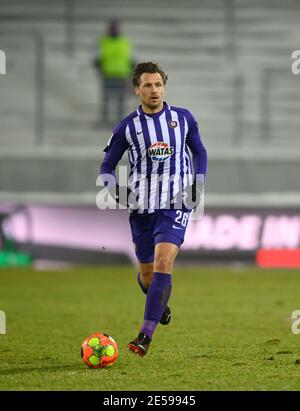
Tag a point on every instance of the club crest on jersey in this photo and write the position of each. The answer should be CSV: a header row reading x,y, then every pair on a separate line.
x,y
172,123
160,151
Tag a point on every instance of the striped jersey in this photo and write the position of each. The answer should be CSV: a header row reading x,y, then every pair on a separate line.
x,y
159,150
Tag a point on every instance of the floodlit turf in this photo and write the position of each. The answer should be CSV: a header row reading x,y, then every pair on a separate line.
x,y
231,330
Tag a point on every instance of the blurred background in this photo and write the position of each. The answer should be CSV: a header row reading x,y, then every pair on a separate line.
x,y
229,62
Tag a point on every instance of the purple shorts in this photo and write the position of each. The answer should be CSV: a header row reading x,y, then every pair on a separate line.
x,y
162,226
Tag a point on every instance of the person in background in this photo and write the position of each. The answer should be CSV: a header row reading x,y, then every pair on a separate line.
x,y
114,64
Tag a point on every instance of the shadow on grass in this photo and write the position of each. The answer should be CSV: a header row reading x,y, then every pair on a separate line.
x,y
50,368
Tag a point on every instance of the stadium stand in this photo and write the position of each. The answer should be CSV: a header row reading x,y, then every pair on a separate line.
x,y
229,63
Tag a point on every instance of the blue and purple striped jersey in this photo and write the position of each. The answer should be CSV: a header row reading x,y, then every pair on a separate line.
x,y
158,147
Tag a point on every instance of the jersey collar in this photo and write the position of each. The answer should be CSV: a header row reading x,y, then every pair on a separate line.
x,y
159,113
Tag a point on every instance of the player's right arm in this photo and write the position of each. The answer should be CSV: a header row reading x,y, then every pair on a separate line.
x,y
114,150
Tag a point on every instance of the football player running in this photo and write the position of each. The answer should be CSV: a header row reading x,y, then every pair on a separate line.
x,y
165,186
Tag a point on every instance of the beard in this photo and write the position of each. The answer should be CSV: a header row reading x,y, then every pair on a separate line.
x,y
153,104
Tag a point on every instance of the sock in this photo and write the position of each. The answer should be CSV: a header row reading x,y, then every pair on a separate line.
x,y
157,299
143,288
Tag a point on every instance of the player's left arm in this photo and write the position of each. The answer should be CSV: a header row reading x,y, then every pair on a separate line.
x,y
195,144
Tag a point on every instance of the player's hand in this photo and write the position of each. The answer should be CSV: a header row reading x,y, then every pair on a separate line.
x,y
122,195
198,197
197,190
194,193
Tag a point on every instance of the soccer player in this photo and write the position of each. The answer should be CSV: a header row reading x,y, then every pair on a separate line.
x,y
158,138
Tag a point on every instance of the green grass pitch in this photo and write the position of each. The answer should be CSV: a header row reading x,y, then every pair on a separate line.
x,y
231,330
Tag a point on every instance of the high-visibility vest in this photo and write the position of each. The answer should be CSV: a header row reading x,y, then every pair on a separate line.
x,y
115,53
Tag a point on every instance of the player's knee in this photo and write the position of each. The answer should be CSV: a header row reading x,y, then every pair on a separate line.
x,y
164,263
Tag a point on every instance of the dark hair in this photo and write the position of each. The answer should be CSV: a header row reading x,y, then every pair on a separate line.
x,y
147,67
113,29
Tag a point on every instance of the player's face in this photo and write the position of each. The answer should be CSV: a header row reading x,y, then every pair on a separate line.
x,y
151,91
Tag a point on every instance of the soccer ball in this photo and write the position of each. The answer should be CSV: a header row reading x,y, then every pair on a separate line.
x,y
99,350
